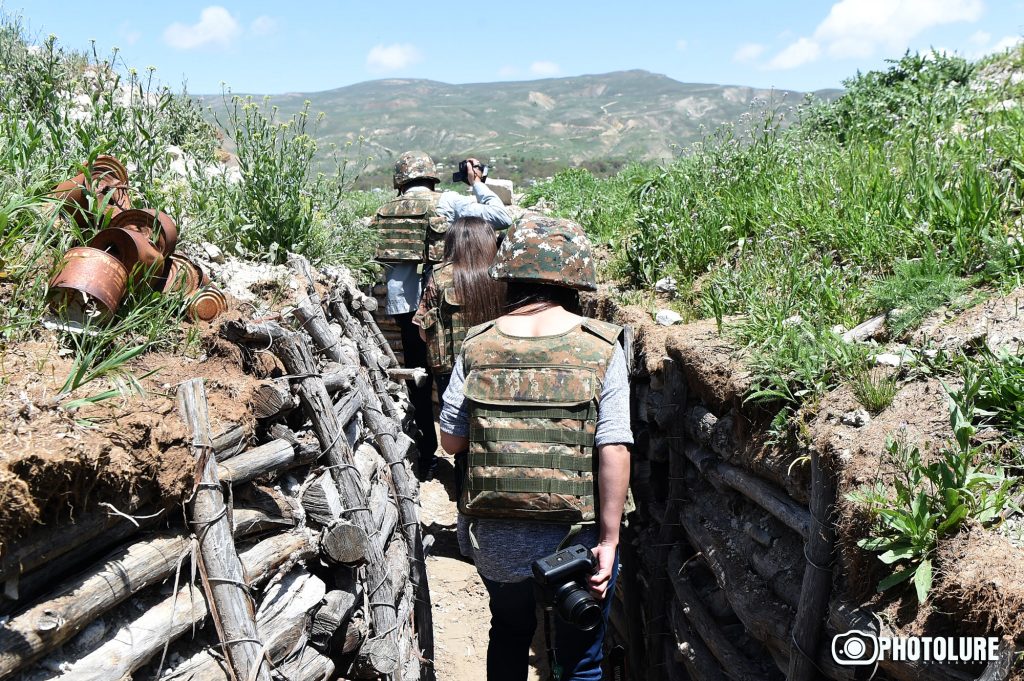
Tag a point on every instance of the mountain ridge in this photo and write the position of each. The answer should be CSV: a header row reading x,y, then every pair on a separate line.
x,y
570,120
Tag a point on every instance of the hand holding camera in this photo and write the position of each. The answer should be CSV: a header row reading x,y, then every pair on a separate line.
x,y
564,578
470,171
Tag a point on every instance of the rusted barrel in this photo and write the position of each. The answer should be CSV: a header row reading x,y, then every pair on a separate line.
x,y
181,275
89,284
208,304
158,226
140,257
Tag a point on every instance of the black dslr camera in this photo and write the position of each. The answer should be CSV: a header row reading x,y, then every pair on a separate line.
x,y
462,175
562,576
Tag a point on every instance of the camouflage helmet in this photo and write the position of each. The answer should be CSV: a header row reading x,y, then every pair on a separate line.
x,y
549,250
413,165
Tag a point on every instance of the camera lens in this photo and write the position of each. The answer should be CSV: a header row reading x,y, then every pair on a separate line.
x,y
577,607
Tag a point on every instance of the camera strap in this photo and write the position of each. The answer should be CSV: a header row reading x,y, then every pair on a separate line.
x,y
554,671
570,535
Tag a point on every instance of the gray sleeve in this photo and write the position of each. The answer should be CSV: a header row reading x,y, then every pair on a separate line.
x,y
613,413
484,204
454,415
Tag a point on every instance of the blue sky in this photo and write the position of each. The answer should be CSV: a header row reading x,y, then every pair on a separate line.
x,y
272,47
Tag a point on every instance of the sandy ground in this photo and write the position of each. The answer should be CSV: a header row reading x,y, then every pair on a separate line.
x,y
461,618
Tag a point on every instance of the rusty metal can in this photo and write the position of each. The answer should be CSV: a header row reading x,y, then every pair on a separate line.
x,y
89,285
158,226
181,275
133,249
208,304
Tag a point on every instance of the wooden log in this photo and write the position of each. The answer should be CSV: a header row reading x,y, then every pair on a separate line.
x,y
230,441
393,446
344,543
416,375
700,664
817,582
1000,668
254,521
294,352
255,462
219,565
355,634
132,646
252,333
760,492
307,665
322,501
382,343
78,602
309,312
336,610
271,399
369,355
736,665
397,557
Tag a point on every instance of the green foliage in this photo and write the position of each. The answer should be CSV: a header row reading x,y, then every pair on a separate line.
x,y
904,193
914,289
932,499
874,389
993,392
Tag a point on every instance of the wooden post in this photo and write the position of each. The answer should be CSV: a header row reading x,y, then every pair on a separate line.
x,y
219,566
294,352
817,583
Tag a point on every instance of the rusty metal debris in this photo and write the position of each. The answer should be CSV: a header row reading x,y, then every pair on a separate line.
x,y
89,285
137,245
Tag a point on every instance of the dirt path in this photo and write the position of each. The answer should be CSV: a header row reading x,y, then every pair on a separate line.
x,y
461,618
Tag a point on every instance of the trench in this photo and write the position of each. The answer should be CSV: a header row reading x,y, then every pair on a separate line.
x,y
729,563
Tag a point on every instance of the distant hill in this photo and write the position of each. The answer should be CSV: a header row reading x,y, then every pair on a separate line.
x,y
540,124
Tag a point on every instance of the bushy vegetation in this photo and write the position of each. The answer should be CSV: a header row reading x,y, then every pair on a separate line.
x,y
900,195
60,109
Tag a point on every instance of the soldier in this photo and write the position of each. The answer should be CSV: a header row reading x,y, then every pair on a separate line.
x,y
459,294
540,400
412,228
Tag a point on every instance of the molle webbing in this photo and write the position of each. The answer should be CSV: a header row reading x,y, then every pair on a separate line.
x,y
533,421
447,330
407,225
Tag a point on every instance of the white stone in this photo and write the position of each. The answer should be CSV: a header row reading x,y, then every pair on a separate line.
x,y
666,285
889,359
213,253
668,317
795,320
856,418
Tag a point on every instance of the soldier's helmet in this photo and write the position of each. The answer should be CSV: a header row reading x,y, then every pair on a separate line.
x,y
545,249
414,165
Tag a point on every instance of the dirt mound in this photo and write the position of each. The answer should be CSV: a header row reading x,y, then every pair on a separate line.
x,y
984,580
998,323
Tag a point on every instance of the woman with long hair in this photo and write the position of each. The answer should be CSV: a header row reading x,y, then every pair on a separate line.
x,y
459,294
538,402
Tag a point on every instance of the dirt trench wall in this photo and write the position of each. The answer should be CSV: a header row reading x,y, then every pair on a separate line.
x,y
719,559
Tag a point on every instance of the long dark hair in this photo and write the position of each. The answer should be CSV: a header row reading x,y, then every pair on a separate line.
x,y
470,245
520,294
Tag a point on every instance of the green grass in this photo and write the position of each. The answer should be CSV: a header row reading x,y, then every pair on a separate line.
x,y
60,108
903,194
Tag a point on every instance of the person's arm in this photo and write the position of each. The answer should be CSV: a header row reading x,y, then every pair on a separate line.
x,y
613,438
454,415
613,482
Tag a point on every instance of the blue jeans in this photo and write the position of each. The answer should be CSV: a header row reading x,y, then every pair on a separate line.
x,y
514,621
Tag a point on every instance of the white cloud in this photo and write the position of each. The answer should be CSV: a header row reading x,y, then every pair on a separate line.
x,y
803,51
980,38
1005,44
858,28
508,72
748,52
262,26
128,34
395,57
681,45
216,26
545,68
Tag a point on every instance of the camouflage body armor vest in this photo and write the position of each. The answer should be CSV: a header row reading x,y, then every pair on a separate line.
x,y
533,416
444,323
410,229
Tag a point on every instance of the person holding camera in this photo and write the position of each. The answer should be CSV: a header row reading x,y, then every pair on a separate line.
x,y
411,228
539,401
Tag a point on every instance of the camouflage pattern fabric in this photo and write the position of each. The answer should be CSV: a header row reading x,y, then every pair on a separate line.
x,y
410,229
539,248
414,165
444,323
533,418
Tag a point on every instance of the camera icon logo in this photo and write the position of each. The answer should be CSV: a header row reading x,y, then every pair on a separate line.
x,y
855,648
